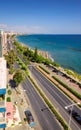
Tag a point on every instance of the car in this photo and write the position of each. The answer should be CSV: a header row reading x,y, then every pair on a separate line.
x,y
78,119
76,116
29,116
74,113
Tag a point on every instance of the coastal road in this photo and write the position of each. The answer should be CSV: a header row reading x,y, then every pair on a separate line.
x,y
58,99
45,118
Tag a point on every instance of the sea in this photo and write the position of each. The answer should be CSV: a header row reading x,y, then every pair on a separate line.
x,y
64,49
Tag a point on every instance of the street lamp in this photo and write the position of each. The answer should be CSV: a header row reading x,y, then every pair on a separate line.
x,y
66,107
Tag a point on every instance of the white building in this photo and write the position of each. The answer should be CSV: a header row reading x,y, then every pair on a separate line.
x,y
2,86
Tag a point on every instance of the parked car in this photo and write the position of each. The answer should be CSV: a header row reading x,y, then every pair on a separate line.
x,y
78,119
74,113
76,116
29,116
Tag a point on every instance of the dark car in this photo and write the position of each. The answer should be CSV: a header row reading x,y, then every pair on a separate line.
x,y
78,119
76,116
29,116
74,113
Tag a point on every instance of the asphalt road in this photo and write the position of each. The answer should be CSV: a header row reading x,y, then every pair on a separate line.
x,y
46,119
58,99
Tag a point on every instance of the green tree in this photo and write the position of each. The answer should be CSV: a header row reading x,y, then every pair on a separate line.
x,y
10,57
35,56
18,77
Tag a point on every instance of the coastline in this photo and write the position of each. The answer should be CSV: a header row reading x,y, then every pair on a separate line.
x,y
45,54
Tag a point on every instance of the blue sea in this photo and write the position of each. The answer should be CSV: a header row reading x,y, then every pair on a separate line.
x,y
64,49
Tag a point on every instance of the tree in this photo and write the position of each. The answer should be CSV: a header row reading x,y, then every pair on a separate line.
x,y
11,58
18,77
35,56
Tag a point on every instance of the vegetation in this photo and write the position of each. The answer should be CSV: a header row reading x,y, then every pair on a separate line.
x,y
22,65
8,36
55,64
2,97
9,92
32,55
44,69
11,60
18,77
8,99
25,119
75,75
58,116
68,88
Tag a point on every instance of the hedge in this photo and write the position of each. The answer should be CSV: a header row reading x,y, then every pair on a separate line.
x,y
44,69
68,88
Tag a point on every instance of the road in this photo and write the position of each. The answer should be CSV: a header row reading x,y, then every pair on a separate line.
x,y
58,99
46,119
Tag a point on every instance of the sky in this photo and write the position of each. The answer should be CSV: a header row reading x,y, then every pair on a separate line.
x,y
41,16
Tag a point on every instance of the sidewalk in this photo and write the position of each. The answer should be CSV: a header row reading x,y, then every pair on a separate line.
x,y
20,104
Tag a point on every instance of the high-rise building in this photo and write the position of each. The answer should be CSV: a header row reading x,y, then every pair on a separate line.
x,y
3,42
2,86
0,43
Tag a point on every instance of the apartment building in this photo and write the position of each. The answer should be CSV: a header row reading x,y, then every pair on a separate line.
x,y
3,36
2,87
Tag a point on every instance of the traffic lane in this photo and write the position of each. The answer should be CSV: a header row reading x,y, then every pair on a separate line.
x,y
62,110
45,118
60,94
51,88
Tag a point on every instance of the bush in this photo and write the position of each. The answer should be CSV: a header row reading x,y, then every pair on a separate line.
x,y
68,88
44,69
7,86
9,92
8,99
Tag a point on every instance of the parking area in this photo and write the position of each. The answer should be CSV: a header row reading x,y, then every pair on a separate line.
x,y
65,78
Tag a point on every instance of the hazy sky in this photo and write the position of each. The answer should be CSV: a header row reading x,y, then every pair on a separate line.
x,y
41,16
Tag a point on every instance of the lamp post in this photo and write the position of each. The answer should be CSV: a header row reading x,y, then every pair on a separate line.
x,y
66,107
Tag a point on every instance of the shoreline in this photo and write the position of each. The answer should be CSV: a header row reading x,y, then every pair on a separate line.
x,y
45,54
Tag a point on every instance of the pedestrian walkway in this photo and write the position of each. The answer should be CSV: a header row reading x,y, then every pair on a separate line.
x,y
16,108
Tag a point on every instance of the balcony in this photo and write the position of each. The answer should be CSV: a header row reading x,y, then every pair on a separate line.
x,y
2,101
2,104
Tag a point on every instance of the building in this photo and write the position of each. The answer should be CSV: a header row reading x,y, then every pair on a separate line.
x,y
0,43
2,87
3,40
